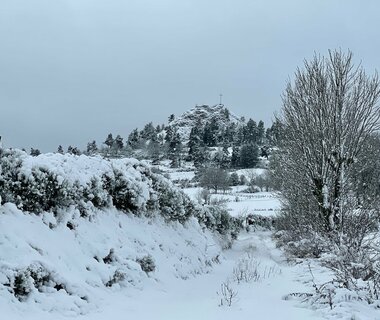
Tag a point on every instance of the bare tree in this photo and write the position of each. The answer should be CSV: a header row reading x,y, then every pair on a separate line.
x,y
329,112
214,178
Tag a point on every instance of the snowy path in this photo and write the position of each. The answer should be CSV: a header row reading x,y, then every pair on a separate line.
x,y
197,298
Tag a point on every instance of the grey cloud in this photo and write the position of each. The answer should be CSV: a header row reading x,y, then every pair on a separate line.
x,y
75,70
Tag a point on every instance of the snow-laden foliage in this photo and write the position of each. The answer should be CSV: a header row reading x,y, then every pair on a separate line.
x,y
217,219
52,181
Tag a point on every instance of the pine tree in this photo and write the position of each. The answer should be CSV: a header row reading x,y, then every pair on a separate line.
x,y
234,179
60,150
224,160
249,155
169,134
109,141
118,143
250,132
195,142
34,152
235,157
175,150
134,139
171,118
260,132
91,147
148,132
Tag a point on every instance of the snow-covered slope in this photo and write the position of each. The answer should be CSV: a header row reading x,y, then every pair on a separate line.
x,y
74,229
45,266
202,114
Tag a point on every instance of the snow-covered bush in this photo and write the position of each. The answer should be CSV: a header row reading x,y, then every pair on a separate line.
x,y
118,277
171,202
228,294
124,196
146,263
40,190
218,219
34,277
52,181
246,270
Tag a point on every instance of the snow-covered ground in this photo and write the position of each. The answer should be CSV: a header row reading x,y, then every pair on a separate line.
x,y
190,268
76,259
242,204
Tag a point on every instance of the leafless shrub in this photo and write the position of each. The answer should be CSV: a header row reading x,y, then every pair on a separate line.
x,y
227,294
246,270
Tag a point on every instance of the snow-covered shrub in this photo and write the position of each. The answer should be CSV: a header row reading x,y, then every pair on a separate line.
x,y
95,193
34,277
172,203
146,263
227,293
10,165
246,270
41,190
308,246
52,181
217,219
258,221
117,277
124,196
110,257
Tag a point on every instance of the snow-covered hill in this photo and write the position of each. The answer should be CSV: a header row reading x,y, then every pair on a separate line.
x,y
201,114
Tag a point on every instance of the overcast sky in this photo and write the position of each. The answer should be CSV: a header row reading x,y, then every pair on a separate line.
x,y
75,70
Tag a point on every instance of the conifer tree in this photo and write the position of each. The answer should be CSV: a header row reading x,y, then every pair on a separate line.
x,y
118,143
249,155
109,141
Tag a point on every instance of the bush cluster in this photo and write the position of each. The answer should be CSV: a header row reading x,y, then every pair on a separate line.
x,y
129,187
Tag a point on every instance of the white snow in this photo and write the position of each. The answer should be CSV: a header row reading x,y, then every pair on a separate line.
x,y
75,257
190,267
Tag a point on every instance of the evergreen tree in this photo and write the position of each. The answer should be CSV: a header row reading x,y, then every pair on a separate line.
x,y
134,139
148,132
171,118
60,150
91,147
109,141
226,114
73,150
239,136
230,132
250,132
169,134
195,142
249,155
154,150
201,157
235,157
234,179
222,158
34,152
175,150
260,132
118,143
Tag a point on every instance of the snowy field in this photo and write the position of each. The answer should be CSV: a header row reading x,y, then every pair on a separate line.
x,y
242,204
